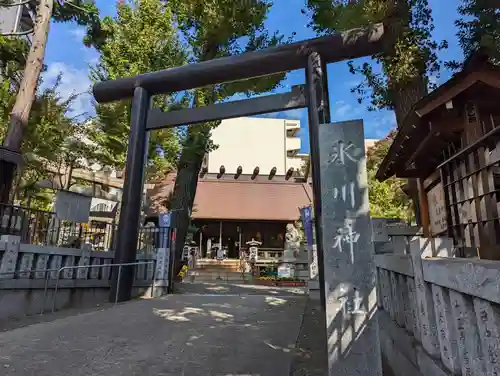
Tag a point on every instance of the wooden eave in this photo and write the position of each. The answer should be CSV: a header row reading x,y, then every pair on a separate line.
x,y
416,128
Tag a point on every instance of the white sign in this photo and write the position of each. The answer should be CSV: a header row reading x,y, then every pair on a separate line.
x,y
70,206
313,266
286,270
437,209
253,254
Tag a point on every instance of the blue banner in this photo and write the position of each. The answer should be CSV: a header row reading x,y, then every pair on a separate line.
x,y
164,221
306,216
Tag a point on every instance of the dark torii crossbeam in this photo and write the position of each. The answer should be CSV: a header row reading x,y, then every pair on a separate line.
x,y
313,55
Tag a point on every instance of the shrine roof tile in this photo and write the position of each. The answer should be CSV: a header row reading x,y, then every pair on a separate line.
x,y
246,200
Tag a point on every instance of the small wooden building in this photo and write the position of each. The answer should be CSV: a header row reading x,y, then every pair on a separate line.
x,y
449,145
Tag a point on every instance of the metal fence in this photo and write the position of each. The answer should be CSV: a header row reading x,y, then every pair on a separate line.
x,y
48,273
59,271
41,227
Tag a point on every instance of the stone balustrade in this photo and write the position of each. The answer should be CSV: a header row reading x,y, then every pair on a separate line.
x,y
29,273
438,315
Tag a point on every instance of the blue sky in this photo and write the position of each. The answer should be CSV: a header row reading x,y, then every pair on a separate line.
x,y
66,54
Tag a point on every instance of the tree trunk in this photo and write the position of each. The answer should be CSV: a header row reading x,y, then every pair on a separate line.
x,y
406,96
189,165
184,192
27,91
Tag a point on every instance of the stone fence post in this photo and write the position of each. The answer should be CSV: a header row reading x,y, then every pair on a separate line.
x,y
162,272
9,260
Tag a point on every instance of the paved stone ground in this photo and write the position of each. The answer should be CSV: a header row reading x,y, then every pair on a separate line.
x,y
223,288
310,358
219,334
20,322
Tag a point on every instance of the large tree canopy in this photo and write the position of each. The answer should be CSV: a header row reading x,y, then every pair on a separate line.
x,y
141,38
80,11
479,27
52,139
213,29
397,77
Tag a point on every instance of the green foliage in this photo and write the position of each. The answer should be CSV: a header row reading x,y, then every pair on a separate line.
x,y
219,28
387,199
84,13
479,28
52,140
412,54
13,53
141,38
13,50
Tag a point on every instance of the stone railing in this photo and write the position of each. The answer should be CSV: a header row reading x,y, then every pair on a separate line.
x,y
438,315
29,274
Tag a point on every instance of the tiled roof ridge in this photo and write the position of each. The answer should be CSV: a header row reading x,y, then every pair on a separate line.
x,y
293,183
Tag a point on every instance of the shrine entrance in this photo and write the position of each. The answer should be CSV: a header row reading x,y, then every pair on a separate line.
x,y
234,235
328,145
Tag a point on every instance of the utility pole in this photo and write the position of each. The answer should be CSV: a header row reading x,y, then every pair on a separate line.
x,y
10,152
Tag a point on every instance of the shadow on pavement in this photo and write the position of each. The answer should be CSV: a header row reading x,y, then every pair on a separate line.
x,y
190,334
214,288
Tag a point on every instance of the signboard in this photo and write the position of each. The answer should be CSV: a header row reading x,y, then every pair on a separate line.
x,y
313,264
379,230
286,270
164,219
253,254
437,209
74,207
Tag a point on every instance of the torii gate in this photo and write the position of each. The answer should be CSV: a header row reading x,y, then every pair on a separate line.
x,y
313,55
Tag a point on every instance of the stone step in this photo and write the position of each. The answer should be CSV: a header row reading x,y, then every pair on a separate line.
x,y
197,275
216,262
226,266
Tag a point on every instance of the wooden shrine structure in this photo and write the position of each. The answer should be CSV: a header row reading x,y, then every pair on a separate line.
x,y
450,145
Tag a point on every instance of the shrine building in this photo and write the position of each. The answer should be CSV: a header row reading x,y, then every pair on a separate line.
x,y
449,145
249,188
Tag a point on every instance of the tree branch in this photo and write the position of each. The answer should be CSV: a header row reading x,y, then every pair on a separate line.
x,y
75,6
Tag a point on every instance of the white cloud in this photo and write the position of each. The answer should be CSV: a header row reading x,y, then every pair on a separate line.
x,y
77,33
88,54
73,81
380,124
343,110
